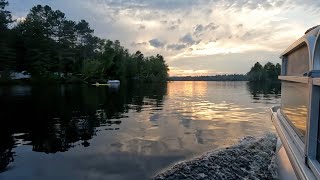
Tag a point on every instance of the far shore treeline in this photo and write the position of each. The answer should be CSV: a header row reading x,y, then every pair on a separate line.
x,y
258,73
50,47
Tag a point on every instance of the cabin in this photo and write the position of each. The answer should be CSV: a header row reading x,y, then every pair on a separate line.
x,y
296,120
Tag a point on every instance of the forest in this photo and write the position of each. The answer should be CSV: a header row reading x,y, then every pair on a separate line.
x,y
50,47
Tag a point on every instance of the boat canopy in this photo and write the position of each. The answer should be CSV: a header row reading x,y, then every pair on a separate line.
x,y
300,97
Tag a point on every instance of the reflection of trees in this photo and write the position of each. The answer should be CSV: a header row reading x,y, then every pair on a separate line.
x,y
57,118
6,154
264,89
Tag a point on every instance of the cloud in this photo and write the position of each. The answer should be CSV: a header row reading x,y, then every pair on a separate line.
x,y
136,44
240,26
188,39
157,43
199,29
173,27
141,27
176,47
154,4
163,21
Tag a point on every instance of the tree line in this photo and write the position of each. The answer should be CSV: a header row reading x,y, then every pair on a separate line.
x,y
257,73
224,77
268,72
49,46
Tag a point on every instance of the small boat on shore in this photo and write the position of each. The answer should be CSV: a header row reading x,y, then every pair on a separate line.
x,y
113,82
297,118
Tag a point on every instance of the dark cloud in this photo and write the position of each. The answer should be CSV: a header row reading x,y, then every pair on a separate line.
x,y
141,27
211,27
248,35
163,22
157,43
200,29
173,27
258,34
176,47
154,4
135,44
188,39
256,4
240,26
209,11
279,3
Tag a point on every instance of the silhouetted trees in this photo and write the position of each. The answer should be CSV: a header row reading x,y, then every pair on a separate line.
x,y
224,77
269,72
49,46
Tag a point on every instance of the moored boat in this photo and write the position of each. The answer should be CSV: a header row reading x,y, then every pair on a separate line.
x,y
113,82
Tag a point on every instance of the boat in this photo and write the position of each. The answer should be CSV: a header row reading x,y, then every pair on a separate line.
x,y
296,120
99,84
113,82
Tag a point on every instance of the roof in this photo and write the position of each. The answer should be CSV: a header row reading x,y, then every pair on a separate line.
x,y
310,36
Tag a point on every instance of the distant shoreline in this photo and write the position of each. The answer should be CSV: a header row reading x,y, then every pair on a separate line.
x,y
225,77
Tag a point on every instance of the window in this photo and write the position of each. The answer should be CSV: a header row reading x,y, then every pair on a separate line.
x,y
298,62
294,103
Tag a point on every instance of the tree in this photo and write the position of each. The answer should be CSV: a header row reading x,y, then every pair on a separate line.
x,y
269,72
7,54
47,44
278,69
5,16
256,73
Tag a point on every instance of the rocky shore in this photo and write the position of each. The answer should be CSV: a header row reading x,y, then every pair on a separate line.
x,y
252,158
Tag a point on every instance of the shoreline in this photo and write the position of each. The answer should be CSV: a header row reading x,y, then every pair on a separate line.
x,y
251,158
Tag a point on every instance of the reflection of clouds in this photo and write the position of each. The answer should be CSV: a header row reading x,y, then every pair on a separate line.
x,y
194,117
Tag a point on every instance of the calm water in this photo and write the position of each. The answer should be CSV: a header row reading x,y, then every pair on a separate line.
x,y
84,132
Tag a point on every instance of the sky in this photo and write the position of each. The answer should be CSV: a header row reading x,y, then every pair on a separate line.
x,y
196,37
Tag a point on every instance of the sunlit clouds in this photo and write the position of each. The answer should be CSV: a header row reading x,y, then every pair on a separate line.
x,y
195,37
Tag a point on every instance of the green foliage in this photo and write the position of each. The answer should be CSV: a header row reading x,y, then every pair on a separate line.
x,y
92,69
47,43
269,72
5,16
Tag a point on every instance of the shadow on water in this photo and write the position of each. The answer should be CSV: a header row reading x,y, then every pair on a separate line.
x,y
6,154
57,118
264,90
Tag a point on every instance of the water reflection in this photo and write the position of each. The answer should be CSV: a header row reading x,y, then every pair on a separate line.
x,y
6,154
88,132
264,90
55,119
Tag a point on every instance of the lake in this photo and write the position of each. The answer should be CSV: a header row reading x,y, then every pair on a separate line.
x,y
131,132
